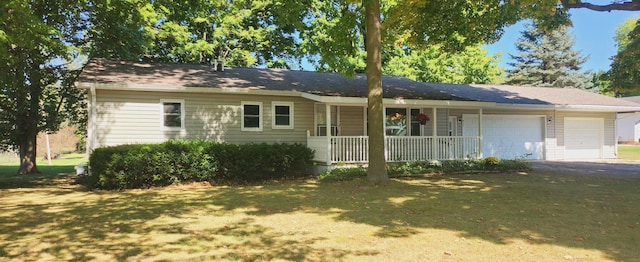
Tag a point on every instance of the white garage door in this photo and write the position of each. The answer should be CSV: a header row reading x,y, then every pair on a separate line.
x,y
508,136
583,138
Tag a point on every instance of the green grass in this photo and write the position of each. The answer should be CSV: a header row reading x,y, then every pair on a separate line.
x,y
59,168
482,217
629,152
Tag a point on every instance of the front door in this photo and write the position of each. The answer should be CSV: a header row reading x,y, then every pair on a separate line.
x,y
453,126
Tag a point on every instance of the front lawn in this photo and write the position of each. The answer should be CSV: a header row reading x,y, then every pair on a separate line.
x,y
629,152
467,217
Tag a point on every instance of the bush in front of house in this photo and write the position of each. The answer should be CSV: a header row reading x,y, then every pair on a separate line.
x,y
343,174
258,162
432,166
172,162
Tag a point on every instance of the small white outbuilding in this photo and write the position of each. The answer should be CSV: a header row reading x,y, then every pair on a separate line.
x,y
628,124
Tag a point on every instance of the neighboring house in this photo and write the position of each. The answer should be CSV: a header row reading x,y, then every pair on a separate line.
x,y
133,102
628,126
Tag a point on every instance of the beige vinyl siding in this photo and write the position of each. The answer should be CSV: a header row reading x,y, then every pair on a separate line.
x,y
352,121
126,117
442,122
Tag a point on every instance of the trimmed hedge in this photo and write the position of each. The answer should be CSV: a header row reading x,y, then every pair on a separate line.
x,y
172,162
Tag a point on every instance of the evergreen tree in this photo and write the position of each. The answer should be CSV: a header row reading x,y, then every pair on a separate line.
x,y
547,59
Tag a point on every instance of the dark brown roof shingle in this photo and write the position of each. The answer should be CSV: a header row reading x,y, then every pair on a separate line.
x,y
328,84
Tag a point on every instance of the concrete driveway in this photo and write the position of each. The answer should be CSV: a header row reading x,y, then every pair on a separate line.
x,y
615,168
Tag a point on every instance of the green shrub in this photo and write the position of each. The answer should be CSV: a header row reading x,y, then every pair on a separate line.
x,y
515,165
146,165
431,166
491,161
413,167
343,173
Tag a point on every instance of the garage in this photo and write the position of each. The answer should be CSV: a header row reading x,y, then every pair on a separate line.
x,y
583,137
508,136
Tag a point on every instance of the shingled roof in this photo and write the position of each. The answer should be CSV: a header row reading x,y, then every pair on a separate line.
x,y
148,75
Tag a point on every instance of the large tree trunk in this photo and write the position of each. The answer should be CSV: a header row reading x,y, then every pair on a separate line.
x,y
27,118
376,172
28,154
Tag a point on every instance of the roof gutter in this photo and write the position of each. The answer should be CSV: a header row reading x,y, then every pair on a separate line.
x,y
183,89
338,100
598,108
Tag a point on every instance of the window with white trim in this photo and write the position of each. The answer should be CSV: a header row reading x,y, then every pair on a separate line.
x,y
282,115
251,116
172,114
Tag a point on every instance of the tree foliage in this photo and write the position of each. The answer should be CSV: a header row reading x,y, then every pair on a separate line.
x,y
624,74
243,33
39,38
336,32
547,59
36,83
41,41
633,5
473,65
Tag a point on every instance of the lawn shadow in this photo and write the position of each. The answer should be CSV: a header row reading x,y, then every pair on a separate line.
x,y
50,176
565,210
106,225
570,210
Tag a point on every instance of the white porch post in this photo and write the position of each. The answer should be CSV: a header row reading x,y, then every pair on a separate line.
x,y
328,131
480,132
434,133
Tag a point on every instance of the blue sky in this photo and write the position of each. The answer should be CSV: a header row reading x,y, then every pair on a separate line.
x,y
593,32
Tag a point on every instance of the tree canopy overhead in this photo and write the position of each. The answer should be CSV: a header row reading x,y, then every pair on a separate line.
x,y
633,5
243,33
473,65
624,74
38,37
36,84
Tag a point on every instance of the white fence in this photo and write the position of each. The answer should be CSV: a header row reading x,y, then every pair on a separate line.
x,y
355,149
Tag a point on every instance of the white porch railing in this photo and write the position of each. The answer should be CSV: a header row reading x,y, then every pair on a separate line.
x,y
354,149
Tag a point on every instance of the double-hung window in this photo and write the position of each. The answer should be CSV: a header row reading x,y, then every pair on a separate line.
x,y
172,114
282,115
251,116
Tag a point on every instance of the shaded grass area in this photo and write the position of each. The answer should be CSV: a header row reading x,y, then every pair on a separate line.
x,y
60,171
471,217
629,152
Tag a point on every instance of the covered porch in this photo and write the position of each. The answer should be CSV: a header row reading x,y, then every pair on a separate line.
x,y
355,149
414,131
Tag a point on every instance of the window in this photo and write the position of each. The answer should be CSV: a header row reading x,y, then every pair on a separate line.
x,y
321,125
251,116
172,114
282,115
396,123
